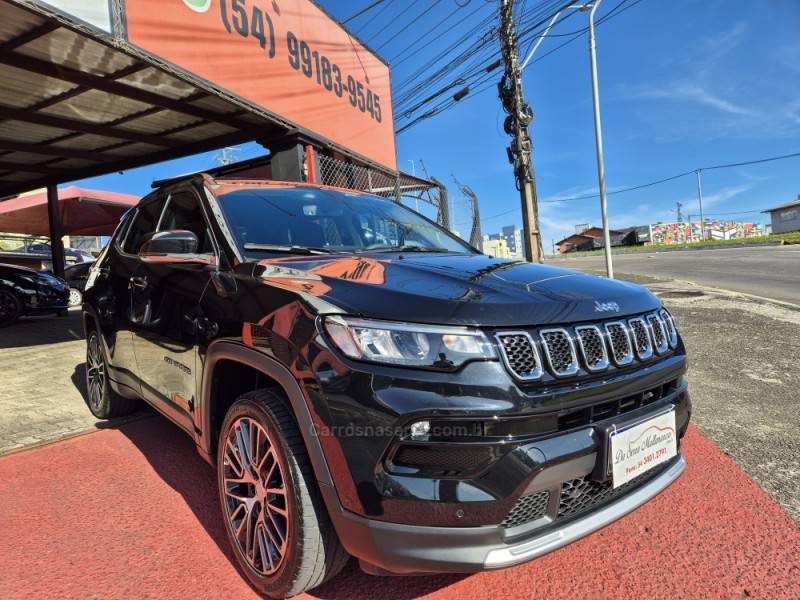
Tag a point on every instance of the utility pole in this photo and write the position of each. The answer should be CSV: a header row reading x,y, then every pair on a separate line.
x,y
700,200
598,138
678,207
519,118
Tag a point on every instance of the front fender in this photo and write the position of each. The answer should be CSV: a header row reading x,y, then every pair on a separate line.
x,y
234,351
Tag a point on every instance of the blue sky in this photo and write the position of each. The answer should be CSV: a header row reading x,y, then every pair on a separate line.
x,y
683,84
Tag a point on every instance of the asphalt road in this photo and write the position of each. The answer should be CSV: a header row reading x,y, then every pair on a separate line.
x,y
768,271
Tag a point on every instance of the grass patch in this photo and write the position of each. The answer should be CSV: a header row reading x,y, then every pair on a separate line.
x,y
793,237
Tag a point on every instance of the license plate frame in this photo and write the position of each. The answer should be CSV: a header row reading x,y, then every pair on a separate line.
x,y
639,447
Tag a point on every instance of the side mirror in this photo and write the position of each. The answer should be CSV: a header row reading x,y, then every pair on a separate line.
x,y
165,243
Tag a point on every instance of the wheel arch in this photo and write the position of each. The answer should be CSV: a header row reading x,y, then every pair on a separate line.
x,y
221,353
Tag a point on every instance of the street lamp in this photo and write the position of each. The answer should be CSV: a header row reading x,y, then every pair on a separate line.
x,y
598,130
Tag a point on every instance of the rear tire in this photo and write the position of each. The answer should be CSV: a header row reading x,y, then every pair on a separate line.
x,y
10,307
274,515
103,401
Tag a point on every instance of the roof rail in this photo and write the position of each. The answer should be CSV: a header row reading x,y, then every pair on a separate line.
x,y
216,171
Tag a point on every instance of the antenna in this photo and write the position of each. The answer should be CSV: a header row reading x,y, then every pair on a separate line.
x,y
227,155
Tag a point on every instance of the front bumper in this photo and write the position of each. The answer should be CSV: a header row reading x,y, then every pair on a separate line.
x,y
390,548
48,299
398,516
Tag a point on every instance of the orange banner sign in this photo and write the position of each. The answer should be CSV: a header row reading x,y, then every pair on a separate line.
x,y
286,56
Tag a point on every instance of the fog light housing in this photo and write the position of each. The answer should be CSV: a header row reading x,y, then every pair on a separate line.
x,y
420,430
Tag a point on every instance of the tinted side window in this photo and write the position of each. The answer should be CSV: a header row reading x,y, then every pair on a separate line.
x,y
144,222
183,212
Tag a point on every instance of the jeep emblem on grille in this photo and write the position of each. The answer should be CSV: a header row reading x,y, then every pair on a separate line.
x,y
605,306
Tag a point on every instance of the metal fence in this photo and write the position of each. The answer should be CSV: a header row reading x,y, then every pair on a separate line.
x,y
401,186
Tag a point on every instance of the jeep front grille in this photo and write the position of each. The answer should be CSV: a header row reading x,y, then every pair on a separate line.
x,y
560,351
641,339
620,340
520,354
672,332
591,347
659,335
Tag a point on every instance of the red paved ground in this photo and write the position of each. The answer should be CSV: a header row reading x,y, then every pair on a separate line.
x,y
132,513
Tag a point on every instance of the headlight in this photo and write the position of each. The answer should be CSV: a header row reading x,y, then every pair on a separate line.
x,y
429,346
49,280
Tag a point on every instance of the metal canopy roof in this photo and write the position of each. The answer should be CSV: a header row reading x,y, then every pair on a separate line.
x,y
72,105
81,212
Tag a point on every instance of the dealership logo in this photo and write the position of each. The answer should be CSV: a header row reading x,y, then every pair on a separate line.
x,y
605,306
200,6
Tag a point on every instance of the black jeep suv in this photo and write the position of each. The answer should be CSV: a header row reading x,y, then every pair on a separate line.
x,y
367,384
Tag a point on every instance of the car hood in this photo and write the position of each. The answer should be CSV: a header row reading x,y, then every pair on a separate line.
x,y
9,270
453,289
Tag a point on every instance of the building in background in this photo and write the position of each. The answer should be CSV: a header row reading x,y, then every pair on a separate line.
x,y
785,217
590,238
684,233
497,247
639,235
512,238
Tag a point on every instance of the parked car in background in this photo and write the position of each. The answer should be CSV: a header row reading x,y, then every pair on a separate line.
x,y
76,276
71,255
367,384
27,292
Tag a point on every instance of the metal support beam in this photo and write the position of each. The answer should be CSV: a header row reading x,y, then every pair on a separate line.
x,y
46,150
54,218
26,168
27,116
117,88
444,205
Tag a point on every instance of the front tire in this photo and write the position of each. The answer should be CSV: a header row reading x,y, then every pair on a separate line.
x,y
103,401
274,516
10,307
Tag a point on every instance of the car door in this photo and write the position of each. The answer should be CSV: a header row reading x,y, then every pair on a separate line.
x,y
112,296
165,294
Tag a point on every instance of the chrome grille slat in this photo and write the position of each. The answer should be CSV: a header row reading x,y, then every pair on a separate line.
x,y
672,332
641,338
560,351
520,354
620,342
593,347
659,334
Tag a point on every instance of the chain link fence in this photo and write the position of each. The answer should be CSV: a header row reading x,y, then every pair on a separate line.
x,y
401,186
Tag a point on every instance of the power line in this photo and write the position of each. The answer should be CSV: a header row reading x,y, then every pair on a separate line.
x,y
482,71
409,24
392,21
369,21
475,68
393,60
664,180
362,11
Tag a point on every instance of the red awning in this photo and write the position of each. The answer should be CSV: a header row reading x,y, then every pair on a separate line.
x,y
83,212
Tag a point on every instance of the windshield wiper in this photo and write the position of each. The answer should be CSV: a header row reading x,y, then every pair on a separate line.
x,y
405,249
286,249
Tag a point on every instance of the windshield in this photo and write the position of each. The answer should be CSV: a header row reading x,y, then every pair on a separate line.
x,y
311,220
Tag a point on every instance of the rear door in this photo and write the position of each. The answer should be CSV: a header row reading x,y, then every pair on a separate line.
x,y
165,296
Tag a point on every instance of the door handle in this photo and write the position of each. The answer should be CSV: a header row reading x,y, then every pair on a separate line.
x,y
140,282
